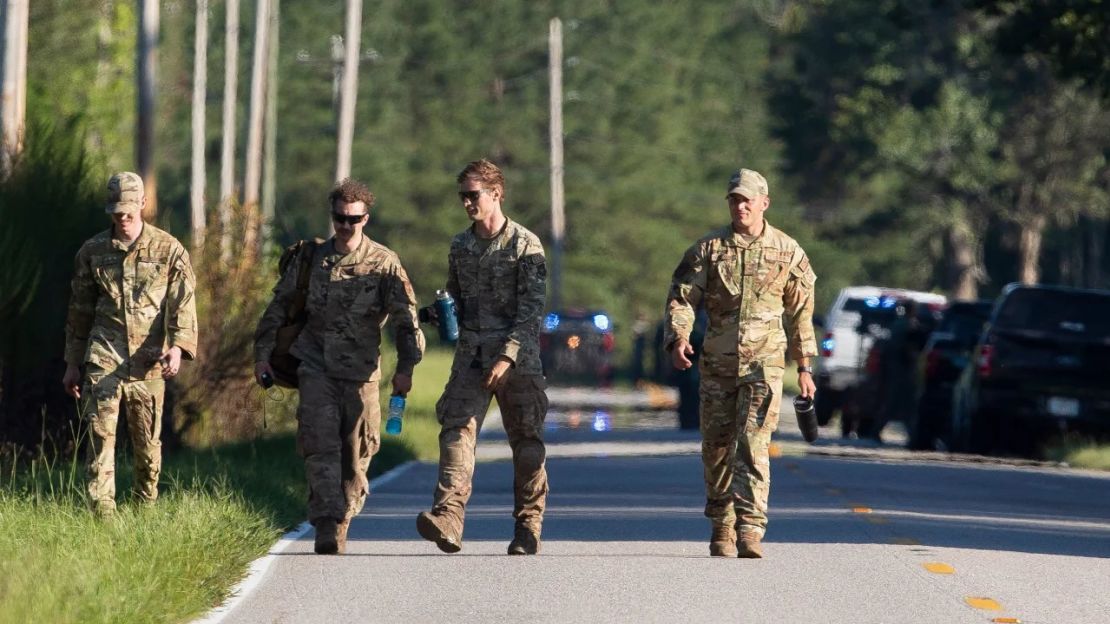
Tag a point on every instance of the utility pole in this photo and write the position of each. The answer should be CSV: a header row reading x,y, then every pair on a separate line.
x,y
252,176
348,90
558,222
269,148
147,63
200,89
227,151
13,78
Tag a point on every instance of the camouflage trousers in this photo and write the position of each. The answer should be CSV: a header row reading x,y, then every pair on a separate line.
x,y
103,394
738,416
337,433
461,411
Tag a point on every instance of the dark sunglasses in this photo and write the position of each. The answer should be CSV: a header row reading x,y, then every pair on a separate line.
x,y
471,196
348,219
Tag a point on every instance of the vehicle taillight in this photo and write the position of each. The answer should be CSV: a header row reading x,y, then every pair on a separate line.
x,y
932,364
985,363
827,344
607,342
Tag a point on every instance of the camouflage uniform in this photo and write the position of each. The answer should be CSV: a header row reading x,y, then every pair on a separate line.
x,y
130,303
499,292
338,418
759,298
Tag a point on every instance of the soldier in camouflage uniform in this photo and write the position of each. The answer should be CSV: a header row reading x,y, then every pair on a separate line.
x,y
497,276
354,285
756,285
132,319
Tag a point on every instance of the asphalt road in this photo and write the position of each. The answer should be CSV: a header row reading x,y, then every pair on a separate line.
x,y
872,539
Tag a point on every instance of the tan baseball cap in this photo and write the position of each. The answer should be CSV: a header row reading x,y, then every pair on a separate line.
x,y
747,183
125,193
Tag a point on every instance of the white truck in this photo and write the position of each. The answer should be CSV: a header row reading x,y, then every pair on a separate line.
x,y
844,348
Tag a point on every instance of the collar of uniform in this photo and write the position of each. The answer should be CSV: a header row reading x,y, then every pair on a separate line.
x,y
357,254
139,243
737,241
499,241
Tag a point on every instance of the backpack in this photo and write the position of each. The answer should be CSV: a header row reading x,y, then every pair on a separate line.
x,y
284,363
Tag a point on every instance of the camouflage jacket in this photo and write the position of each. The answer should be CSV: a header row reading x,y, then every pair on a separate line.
x,y
499,292
758,297
349,300
130,304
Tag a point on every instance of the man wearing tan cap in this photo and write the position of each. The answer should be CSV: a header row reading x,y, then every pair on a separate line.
x,y
756,285
132,319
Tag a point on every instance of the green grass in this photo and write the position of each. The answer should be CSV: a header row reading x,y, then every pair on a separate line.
x,y
1080,453
220,508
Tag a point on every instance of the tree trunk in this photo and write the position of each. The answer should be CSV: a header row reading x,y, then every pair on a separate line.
x,y
200,88
1029,248
348,90
252,177
13,80
147,62
963,262
227,150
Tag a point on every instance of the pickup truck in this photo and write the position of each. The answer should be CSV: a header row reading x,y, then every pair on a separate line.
x,y
1040,368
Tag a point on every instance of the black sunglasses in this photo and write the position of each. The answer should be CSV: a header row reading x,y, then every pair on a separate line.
x,y
472,196
348,219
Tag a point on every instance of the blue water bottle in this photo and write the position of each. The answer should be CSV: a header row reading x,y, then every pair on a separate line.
x,y
448,318
396,414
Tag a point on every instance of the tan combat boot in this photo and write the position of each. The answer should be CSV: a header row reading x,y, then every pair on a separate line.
x,y
439,529
723,542
525,541
749,545
326,538
341,535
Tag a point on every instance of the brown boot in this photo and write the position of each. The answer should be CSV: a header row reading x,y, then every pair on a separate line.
x,y
723,542
439,529
341,535
525,541
326,538
749,545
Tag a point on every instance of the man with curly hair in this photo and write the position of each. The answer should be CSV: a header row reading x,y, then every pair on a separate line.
x,y
498,277
354,284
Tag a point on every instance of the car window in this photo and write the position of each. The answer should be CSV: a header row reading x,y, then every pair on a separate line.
x,y
1071,313
965,323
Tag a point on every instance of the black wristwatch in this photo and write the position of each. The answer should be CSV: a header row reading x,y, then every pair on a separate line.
x,y
805,369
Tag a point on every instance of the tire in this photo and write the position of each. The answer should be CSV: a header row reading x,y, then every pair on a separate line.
x,y
982,436
826,404
922,429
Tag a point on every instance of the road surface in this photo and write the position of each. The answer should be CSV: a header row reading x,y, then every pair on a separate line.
x,y
873,536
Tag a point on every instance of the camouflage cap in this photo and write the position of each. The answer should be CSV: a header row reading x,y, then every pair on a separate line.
x,y
747,183
125,193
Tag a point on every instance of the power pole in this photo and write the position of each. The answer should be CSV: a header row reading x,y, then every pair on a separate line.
x,y
558,222
13,77
348,90
269,148
147,63
200,89
227,150
252,176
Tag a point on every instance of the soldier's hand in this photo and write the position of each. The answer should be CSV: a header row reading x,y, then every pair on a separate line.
x,y
497,375
171,362
681,353
402,384
806,387
262,368
71,381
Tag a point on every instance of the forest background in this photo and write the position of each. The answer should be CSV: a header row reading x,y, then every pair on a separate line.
x,y
947,145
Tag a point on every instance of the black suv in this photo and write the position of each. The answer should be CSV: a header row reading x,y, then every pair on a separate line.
x,y
1040,367
944,357
576,346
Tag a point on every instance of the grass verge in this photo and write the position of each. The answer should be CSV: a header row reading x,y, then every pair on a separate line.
x,y
1080,453
221,508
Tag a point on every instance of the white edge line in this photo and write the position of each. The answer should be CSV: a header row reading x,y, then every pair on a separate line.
x,y
257,570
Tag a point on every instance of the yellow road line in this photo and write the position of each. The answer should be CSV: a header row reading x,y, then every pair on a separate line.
x,y
985,604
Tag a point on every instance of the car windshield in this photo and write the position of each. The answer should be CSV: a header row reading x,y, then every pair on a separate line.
x,y
1072,313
